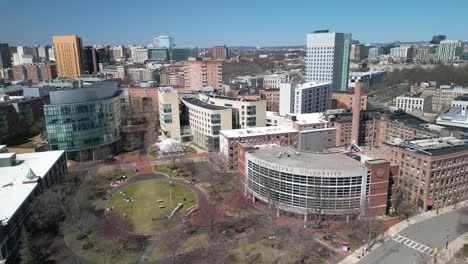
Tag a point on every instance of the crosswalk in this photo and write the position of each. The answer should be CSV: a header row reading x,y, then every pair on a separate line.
x,y
414,245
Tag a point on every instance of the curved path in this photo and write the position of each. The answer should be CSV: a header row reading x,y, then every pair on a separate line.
x,y
101,206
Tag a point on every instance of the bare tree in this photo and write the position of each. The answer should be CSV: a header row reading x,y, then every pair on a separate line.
x,y
109,249
172,240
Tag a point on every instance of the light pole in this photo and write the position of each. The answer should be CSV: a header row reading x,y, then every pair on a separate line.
x,y
363,247
447,240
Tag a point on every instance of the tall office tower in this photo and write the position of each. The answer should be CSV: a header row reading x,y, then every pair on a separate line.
x,y
5,56
220,52
327,58
67,51
199,73
43,52
87,59
163,41
450,50
117,53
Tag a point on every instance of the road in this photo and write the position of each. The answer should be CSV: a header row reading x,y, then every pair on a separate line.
x,y
416,243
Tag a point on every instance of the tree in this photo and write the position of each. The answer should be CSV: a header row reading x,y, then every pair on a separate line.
x,y
29,253
172,240
403,205
109,249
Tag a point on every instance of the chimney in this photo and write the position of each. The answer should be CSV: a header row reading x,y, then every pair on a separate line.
x,y
356,114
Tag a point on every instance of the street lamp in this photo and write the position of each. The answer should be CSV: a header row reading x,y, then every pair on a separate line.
x,y
446,240
363,246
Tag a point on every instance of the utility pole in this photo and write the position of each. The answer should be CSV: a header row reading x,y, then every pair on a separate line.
x,y
447,240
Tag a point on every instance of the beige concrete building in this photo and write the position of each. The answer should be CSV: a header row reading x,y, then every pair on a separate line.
x,y
201,73
67,51
444,95
246,113
206,120
169,114
419,102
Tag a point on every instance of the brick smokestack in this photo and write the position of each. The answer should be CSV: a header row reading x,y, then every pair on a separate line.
x,y
356,114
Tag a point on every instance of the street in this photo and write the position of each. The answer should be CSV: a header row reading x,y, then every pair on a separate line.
x,y
416,243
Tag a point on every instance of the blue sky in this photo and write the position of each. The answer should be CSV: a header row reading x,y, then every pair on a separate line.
x,y
242,22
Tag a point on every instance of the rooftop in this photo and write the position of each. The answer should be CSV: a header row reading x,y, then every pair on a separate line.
x,y
17,182
167,90
463,97
199,103
256,131
415,95
301,119
431,146
232,98
312,84
289,157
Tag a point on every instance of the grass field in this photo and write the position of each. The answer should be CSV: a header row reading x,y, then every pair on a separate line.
x,y
176,173
22,142
190,150
145,207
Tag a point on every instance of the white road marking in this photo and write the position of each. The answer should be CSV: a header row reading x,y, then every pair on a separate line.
x,y
414,245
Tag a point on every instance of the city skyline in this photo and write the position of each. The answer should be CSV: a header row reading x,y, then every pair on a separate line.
x,y
246,24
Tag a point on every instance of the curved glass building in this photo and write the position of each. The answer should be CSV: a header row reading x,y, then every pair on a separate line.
x,y
302,183
84,121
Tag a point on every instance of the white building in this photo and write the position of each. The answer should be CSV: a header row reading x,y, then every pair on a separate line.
x,y
415,102
169,112
450,50
402,52
51,54
163,41
273,81
327,58
22,178
140,55
305,98
19,59
117,53
140,75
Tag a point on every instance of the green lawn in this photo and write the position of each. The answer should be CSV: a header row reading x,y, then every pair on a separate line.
x,y
146,207
190,150
176,173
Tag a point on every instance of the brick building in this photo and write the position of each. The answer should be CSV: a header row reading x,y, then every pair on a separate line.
x,y
344,100
48,71
201,73
272,98
33,73
143,98
433,171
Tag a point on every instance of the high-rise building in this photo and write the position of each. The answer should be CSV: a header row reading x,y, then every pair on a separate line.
x,y
450,50
48,71
163,41
117,53
88,62
33,73
201,73
181,53
5,56
158,54
43,52
67,51
357,52
327,58
402,52
305,98
220,52
139,55
438,38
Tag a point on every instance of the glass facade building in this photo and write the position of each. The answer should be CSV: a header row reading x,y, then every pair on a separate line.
x,y
85,130
182,53
158,54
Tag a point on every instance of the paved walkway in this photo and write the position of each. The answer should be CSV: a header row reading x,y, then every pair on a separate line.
x,y
453,247
356,256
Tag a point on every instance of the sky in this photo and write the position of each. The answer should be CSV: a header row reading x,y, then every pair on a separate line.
x,y
205,23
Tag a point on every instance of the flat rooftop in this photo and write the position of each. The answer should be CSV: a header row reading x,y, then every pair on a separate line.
x,y
29,167
431,146
199,103
306,160
461,98
302,119
232,98
256,131
312,84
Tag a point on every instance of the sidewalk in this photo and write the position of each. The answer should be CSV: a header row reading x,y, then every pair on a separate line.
x,y
392,231
453,247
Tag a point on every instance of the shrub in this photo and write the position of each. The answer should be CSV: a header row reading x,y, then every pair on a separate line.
x,y
88,245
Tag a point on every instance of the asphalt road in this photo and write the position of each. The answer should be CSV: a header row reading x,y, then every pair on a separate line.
x,y
425,236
